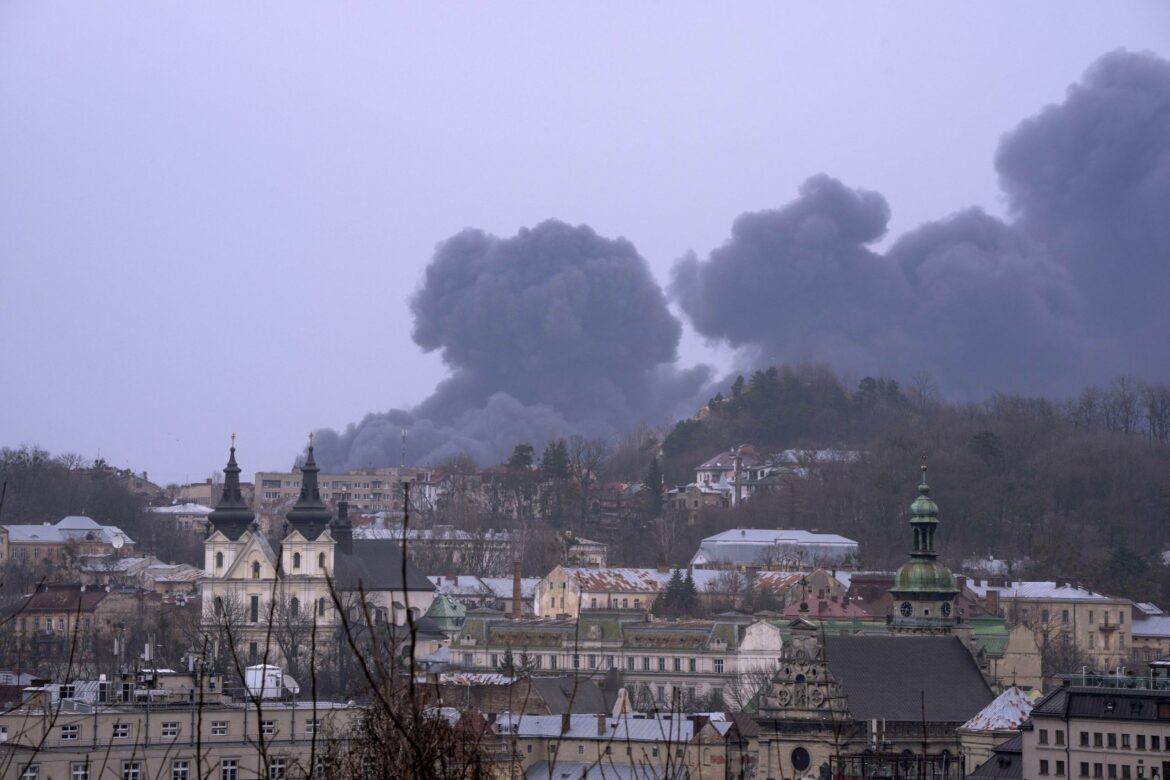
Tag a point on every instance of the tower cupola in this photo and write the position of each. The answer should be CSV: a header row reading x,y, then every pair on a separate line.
x,y
924,589
309,515
231,515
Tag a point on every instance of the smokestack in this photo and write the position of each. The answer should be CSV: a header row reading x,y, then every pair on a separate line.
x,y
517,596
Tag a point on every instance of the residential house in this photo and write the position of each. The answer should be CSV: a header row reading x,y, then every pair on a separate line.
x,y
188,516
49,542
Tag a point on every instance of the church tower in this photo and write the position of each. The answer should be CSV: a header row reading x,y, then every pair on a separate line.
x,y
309,516
924,590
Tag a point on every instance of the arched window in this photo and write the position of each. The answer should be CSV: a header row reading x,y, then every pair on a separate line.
x,y
321,606
255,570
219,560
321,560
294,606
296,560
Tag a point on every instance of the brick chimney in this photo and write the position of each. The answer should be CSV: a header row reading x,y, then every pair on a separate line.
x,y
517,595
601,725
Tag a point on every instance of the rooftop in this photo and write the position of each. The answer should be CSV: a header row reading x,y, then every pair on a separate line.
x,y
1040,589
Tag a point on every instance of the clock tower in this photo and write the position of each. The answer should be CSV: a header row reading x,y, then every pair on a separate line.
x,y
924,590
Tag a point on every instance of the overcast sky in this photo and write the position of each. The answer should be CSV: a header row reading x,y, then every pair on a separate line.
x,y
212,215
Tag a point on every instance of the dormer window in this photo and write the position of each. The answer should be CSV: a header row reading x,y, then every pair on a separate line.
x,y
219,560
255,570
296,560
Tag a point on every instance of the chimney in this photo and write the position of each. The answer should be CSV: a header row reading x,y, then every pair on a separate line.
x,y
601,725
517,595
343,531
566,719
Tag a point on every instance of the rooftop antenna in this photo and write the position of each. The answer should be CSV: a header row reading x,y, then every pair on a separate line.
x,y
402,464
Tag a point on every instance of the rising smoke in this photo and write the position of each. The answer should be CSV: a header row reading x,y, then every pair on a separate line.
x,y
558,330
1072,289
551,332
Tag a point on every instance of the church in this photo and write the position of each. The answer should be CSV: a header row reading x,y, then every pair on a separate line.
x,y
878,705
271,604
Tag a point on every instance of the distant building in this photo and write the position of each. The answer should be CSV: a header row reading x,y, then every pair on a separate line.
x,y
586,552
76,534
763,548
365,490
692,499
187,517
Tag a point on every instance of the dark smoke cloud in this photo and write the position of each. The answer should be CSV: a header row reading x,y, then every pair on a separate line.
x,y
558,330
554,331
1090,178
1073,289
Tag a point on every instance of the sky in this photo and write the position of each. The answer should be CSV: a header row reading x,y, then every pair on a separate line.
x,y
214,216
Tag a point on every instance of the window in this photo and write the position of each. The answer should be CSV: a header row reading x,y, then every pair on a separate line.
x,y
219,560
312,726
718,666
1155,741
219,728
592,605
576,661
1044,619
268,727
552,662
1043,766
321,560
79,771
677,664
255,570
1064,616
1098,739
120,730
637,603
1125,772
229,769
1098,770
276,769
1091,617
1121,618
1060,768
1084,769
609,662
296,561
132,770
662,693
253,652
170,729
661,664
1060,736
654,752
645,663
630,663
70,733
494,659
1112,740
1044,738
580,750
1125,741
31,772
592,662
625,603
254,608
294,606
1084,739
1113,770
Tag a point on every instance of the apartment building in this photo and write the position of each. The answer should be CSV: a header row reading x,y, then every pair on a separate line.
x,y
365,490
49,542
225,741
664,663
1107,732
1099,625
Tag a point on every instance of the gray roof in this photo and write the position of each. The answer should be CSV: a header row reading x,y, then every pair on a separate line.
x,y
377,565
577,695
892,677
1006,762
1101,704
626,728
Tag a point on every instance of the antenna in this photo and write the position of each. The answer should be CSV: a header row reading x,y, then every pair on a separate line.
x,y
403,462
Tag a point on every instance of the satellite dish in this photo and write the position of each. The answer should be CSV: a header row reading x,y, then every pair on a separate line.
x,y
117,541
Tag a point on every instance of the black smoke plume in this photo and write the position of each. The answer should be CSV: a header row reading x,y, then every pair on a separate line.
x,y
554,331
1074,288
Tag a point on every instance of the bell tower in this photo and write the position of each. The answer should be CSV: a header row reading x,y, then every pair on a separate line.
x,y
924,590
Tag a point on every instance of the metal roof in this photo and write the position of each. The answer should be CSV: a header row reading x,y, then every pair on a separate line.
x,y
68,529
183,509
1039,589
1009,710
625,728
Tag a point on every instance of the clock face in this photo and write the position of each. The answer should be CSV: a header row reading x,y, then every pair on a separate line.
x,y
906,609
946,609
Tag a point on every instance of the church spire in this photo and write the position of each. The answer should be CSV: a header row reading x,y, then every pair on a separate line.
x,y
924,589
231,515
923,520
310,516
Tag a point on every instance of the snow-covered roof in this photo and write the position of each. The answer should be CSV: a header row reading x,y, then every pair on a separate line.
x,y
1009,710
183,509
1039,589
1155,626
73,528
625,728
1149,608
501,587
757,545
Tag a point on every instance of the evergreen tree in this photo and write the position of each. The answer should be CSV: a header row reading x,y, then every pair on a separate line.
x,y
655,489
668,604
522,457
688,595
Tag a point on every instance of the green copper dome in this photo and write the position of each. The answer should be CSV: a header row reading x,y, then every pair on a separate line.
x,y
923,574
